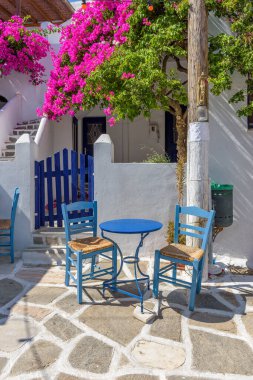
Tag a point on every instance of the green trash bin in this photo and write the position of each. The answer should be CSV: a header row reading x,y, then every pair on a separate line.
x,y
222,200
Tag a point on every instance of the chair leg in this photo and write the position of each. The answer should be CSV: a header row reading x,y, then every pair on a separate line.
x,y
199,281
174,273
156,274
67,266
12,248
114,263
194,285
93,263
79,277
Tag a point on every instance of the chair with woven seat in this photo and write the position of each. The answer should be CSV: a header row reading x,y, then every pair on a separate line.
x,y
177,253
7,229
81,217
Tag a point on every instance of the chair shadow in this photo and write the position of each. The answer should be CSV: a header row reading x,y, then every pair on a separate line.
x,y
215,304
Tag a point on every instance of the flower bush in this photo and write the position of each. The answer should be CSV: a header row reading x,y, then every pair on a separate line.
x,y
86,43
21,49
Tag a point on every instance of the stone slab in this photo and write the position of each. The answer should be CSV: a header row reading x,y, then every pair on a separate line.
x,y
189,378
9,289
91,355
174,296
114,321
229,296
38,313
167,325
220,354
146,317
38,357
137,377
42,275
3,362
62,328
217,322
69,304
16,332
65,376
248,323
158,355
207,301
247,295
5,266
43,295
123,361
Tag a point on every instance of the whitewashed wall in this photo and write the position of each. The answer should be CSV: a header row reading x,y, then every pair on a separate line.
x,y
19,173
133,190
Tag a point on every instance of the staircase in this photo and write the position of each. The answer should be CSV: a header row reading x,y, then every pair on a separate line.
x,y
31,127
48,248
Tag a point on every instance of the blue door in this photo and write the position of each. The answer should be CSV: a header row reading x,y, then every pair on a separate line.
x,y
93,127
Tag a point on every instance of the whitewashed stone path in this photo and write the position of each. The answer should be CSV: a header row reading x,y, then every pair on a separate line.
x,y
45,334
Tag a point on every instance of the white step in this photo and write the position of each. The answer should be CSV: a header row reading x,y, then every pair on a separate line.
x,y
43,256
8,153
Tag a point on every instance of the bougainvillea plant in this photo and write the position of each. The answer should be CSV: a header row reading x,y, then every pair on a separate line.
x,y
130,60
21,49
86,43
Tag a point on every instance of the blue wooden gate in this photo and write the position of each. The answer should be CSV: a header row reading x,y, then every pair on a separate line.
x,y
61,178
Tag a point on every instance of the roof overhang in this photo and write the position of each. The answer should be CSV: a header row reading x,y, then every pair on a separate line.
x,y
54,11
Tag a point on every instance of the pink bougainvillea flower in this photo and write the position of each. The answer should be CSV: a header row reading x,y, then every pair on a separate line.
x,y
86,43
112,121
127,75
146,22
22,49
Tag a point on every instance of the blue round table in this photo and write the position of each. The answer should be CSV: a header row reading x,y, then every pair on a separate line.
x,y
142,227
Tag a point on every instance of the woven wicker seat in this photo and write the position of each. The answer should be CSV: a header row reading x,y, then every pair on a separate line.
x,y
90,244
182,252
5,224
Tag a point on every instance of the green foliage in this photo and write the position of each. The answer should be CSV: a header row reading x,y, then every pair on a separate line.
x,y
233,53
147,50
162,38
157,158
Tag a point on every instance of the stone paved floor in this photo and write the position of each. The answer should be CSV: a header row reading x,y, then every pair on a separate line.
x,y
45,334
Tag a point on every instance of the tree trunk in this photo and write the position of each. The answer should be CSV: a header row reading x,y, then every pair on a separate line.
x,y
197,52
181,128
18,7
198,132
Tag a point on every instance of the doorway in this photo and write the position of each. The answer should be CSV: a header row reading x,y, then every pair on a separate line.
x,y
93,127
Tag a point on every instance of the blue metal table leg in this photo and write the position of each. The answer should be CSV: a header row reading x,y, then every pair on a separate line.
x,y
112,283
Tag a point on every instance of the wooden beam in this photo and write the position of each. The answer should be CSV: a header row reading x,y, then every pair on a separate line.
x,y
18,7
56,10
4,10
45,15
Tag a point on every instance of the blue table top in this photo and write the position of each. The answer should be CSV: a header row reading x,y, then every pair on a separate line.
x,y
130,226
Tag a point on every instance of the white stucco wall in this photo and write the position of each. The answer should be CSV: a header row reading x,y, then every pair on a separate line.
x,y
133,190
19,173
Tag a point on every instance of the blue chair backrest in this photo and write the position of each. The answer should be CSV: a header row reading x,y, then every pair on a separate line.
x,y
195,231
80,217
14,206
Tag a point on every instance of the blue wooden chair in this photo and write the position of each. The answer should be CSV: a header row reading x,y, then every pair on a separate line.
x,y
7,229
180,253
80,217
